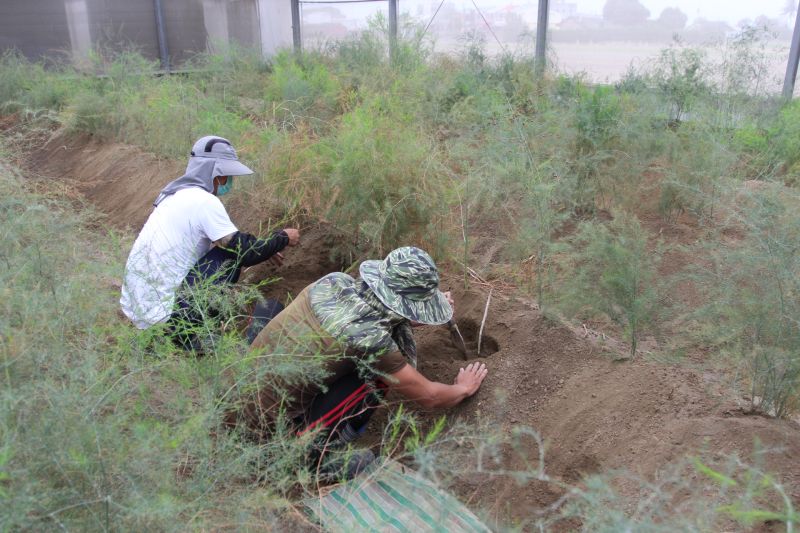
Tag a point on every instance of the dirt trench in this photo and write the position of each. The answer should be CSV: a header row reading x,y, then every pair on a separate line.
x,y
594,414
121,181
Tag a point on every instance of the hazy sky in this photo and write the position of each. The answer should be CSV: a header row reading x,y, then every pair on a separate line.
x,y
727,10
731,11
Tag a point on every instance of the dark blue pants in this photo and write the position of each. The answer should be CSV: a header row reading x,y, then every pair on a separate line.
x,y
218,267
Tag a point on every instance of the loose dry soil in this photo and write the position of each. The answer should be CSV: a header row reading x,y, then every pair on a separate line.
x,y
594,413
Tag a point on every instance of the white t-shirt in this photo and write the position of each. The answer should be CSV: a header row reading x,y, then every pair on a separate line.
x,y
178,233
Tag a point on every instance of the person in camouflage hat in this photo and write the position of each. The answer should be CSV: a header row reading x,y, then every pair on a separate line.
x,y
407,282
352,340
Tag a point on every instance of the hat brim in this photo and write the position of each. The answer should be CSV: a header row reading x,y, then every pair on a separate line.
x,y
232,168
433,311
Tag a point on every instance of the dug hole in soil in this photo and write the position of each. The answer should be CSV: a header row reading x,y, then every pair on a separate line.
x,y
593,413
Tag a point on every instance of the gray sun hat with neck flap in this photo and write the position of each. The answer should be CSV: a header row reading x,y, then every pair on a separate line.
x,y
211,156
407,282
226,161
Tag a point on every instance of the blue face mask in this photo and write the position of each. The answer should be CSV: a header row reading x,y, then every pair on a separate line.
x,y
224,189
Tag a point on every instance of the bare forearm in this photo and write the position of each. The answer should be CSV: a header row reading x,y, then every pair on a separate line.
x,y
442,395
430,394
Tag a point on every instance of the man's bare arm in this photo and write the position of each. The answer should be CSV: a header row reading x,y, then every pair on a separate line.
x,y
430,394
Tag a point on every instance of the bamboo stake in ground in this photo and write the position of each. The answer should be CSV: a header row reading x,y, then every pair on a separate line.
x,y
457,338
485,313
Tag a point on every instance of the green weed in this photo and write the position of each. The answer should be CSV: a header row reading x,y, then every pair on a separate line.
x,y
302,90
381,183
681,77
103,427
708,494
753,297
612,271
26,86
543,216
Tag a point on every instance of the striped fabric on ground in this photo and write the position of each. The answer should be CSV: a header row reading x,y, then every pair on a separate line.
x,y
392,498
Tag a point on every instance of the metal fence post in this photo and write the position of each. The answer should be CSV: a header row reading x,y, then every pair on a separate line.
x,y
794,55
296,38
541,35
392,28
162,35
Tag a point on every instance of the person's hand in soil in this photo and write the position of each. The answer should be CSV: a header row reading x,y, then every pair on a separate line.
x,y
471,377
294,240
412,385
294,236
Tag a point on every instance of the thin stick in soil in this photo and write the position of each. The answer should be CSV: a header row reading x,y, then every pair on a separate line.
x,y
457,338
485,314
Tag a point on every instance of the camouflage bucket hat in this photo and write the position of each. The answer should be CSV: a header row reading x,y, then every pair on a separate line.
x,y
407,282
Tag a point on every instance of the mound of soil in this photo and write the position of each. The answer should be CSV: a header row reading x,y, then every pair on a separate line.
x,y
303,264
594,413
118,179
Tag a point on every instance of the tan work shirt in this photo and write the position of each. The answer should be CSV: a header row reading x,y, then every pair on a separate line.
x,y
310,361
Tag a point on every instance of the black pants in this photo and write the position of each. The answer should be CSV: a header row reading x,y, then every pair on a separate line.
x,y
341,414
218,268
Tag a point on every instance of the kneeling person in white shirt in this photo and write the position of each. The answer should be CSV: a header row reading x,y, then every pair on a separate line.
x,y
188,239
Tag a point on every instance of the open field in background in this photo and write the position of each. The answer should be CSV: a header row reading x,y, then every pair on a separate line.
x,y
608,62
600,61
640,243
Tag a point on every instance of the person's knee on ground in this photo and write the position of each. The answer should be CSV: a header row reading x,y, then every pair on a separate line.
x,y
216,269
263,312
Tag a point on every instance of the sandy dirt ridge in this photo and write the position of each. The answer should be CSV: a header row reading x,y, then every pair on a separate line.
x,y
594,413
